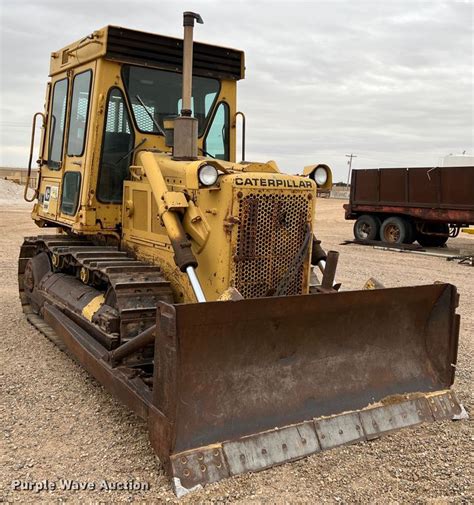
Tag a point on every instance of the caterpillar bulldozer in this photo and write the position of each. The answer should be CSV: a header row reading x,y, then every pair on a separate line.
x,y
193,287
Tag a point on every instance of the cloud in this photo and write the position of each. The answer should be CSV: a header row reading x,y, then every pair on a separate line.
x,y
389,81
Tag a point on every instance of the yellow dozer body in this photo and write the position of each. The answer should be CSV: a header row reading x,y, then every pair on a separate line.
x,y
183,280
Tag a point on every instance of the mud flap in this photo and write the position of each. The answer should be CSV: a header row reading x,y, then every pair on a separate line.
x,y
254,383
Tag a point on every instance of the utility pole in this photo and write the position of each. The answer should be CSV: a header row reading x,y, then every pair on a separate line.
x,y
350,156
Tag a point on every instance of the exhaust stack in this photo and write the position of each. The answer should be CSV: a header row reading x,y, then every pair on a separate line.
x,y
186,126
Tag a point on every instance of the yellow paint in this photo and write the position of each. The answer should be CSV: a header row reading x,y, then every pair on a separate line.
x,y
92,307
93,216
164,201
214,235
311,168
468,230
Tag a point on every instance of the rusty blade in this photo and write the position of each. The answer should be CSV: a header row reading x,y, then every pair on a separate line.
x,y
230,369
194,468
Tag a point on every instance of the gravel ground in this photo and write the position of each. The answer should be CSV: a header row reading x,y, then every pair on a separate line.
x,y
58,423
11,195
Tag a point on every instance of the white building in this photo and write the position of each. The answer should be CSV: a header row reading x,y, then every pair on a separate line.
x,y
458,160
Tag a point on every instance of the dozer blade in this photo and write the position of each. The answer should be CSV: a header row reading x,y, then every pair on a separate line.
x,y
245,385
249,384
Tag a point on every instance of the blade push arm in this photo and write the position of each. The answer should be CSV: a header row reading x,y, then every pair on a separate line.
x,y
171,205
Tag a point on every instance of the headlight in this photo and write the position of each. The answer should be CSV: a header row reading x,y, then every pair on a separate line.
x,y
320,176
207,175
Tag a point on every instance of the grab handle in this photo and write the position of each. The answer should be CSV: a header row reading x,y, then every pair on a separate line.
x,y
32,145
243,131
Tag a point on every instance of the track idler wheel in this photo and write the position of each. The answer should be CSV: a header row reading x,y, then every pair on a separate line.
x,y
36,268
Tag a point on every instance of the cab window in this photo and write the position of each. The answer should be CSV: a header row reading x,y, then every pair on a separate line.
x,y
79,113
217,139
57,123
155,95
70,193
117,145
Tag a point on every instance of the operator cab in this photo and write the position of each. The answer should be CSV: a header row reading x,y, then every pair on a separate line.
x,y
109,97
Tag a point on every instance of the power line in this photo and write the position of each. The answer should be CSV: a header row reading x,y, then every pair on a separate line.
x,y
350,156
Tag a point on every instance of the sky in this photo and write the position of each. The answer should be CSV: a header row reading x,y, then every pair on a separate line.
x,y
389,81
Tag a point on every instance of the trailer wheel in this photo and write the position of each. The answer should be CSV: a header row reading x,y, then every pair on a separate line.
x,y
367,227
395,230
428,240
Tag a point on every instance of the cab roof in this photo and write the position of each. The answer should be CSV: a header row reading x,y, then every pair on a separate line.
x,y
148,49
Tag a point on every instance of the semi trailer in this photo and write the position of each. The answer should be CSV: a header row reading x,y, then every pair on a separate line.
x,y
401,205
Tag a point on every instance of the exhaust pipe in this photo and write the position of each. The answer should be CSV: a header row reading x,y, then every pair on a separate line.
x,y
185,126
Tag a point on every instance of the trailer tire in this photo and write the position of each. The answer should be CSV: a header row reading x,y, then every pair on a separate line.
x,y
395,230
427,240
367,227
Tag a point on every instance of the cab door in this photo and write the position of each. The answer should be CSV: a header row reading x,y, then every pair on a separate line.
x,y
75,147
51,167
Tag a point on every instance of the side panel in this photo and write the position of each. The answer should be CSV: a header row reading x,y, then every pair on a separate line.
x,y
393,186
423,187
457,187
145,235
365,186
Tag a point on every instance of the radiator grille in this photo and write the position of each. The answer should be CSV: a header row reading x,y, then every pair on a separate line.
x,y
271,231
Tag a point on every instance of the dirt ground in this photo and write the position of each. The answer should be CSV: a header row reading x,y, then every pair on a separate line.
x,y
58,423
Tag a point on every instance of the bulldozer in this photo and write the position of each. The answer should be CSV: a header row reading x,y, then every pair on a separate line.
x,y
193,287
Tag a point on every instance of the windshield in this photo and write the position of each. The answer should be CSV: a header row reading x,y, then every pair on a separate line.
x,y
160,91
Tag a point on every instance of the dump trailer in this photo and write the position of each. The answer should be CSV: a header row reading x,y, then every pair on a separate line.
x,y
193,287
401,205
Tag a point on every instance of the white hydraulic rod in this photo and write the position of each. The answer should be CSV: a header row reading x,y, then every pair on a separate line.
x,y
195,284
321,265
